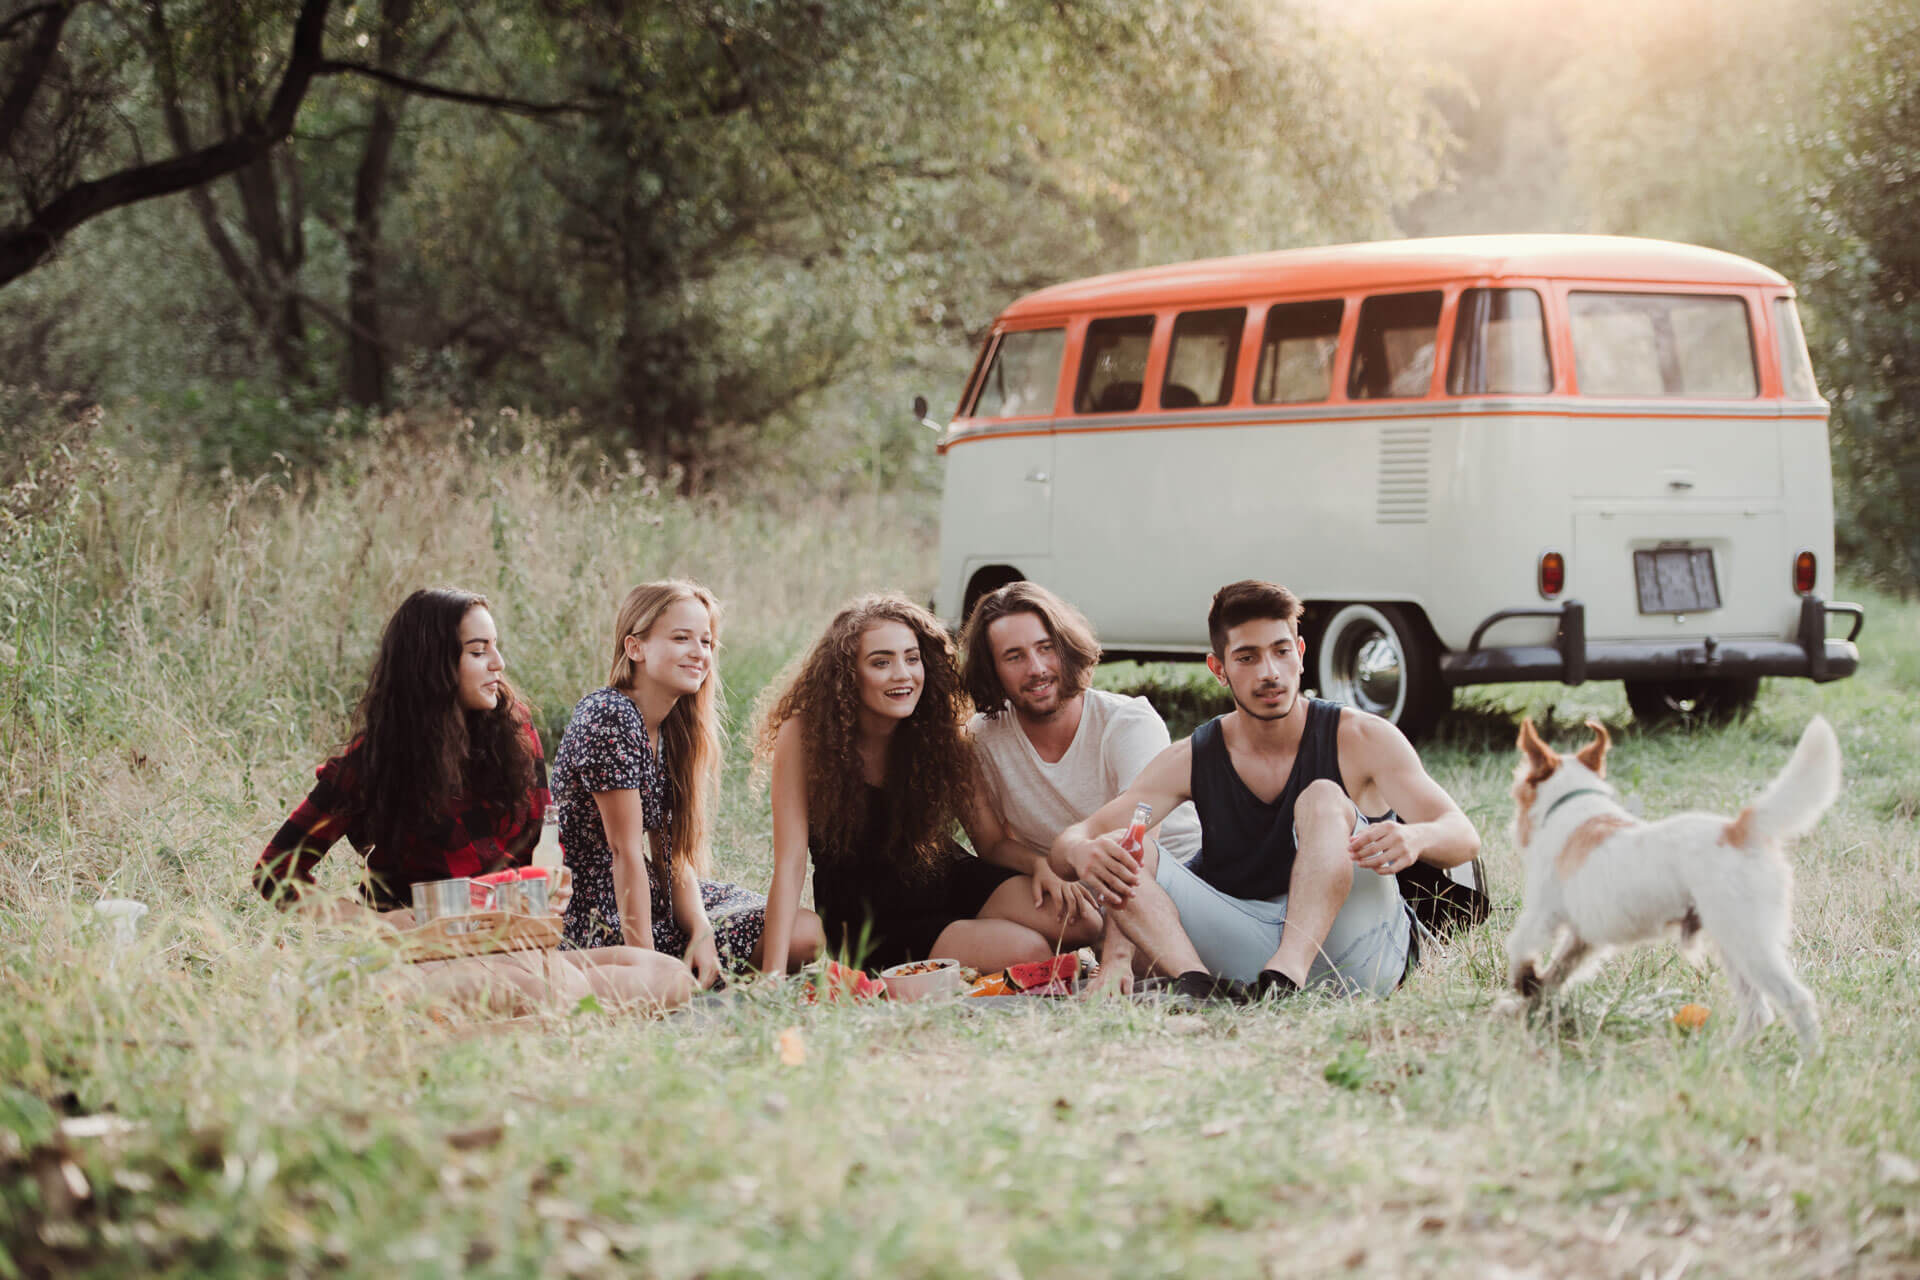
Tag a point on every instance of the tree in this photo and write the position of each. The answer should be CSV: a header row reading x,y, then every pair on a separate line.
x,y
84,83
60,88
774,195
1861,271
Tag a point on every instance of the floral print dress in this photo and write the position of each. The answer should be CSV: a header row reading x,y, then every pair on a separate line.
x,y
605,748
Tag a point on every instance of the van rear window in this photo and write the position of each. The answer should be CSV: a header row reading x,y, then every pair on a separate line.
x,y
1200,362
1499,344
1796,371
1296,352
1025,371
1114,366
1393,349
1663,344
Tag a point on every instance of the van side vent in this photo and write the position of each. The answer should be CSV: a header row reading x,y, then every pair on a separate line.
x,y
1404,456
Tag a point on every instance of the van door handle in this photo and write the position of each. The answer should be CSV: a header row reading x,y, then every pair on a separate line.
x,y
1038,477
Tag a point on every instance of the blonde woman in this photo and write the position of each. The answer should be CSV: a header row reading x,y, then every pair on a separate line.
x,y
635,780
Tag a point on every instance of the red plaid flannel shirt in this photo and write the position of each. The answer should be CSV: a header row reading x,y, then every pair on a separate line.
x,y
472,839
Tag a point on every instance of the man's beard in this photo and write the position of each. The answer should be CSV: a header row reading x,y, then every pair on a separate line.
x,y
1031,712
1264,716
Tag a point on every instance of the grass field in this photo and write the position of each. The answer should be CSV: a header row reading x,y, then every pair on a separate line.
x,y
173,665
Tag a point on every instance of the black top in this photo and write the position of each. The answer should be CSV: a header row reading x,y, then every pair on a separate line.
x,y
1246,845
876,892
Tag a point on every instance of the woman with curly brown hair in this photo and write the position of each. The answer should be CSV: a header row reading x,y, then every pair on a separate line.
x,y
870,771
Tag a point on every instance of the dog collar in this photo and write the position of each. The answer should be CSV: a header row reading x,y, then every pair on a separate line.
x,y
1571,795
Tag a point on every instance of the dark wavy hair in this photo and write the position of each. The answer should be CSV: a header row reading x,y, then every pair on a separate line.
x,y
1249,600
420,747
929,780
1068,628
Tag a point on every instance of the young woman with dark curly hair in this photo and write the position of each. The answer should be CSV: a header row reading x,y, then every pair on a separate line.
x,y
443,778
870,772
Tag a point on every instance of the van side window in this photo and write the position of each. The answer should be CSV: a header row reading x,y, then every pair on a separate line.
x,y
1296,352
1393,350
1023,376
1201,360
1114,366
1663,344
1796,371
1499,344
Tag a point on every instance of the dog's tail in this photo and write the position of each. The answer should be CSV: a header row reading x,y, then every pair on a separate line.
x,y
1796,798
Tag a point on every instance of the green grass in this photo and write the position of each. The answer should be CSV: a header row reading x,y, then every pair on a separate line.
x,y
174,664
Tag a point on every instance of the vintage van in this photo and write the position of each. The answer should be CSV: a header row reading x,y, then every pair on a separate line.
x,y
1475,459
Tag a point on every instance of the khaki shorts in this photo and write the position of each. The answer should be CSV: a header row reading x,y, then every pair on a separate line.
x,y
1365,951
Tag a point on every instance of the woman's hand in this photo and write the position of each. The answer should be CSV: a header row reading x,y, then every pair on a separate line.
x,y
562,891
703,957
1067,899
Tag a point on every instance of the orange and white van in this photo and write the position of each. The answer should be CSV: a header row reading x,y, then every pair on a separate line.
x,y
1475,459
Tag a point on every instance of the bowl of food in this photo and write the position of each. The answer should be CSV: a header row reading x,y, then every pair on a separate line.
x,y
924,980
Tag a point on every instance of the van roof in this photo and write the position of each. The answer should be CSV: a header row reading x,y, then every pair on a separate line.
x,y
1391,263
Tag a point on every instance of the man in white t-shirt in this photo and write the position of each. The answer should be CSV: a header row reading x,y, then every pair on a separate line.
x,y
1051,750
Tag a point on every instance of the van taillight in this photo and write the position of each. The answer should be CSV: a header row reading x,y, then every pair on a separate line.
x,y
1804,566
1553,574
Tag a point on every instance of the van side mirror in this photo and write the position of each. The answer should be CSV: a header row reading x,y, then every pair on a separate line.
x,y
920,415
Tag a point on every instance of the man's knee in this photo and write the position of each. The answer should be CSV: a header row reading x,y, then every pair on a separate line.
x,y
1323,803
1323,810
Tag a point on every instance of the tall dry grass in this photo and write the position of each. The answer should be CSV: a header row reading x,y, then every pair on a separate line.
x,y
185,651
178,655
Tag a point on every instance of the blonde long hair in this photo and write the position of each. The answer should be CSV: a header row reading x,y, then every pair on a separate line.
x,y
692,746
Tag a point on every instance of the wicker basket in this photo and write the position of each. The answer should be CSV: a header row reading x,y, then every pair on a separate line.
x,y
482,933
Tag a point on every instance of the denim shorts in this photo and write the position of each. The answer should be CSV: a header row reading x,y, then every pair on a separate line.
x,y
1365,951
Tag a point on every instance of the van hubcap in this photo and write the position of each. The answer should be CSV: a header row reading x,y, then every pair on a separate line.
x,y
1367,669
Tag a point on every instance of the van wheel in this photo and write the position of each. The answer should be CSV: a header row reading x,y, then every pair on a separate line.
x,y
1377,658
1691,698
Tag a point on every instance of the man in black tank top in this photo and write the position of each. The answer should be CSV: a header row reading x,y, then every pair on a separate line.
x,y
1294,884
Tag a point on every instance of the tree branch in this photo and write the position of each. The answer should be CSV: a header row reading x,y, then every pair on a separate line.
x,y
32,11
420,88
25,246
33,67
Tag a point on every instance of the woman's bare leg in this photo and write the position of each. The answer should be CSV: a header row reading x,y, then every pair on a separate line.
x,y
1013,900
633,977
991,944
513,985
809,940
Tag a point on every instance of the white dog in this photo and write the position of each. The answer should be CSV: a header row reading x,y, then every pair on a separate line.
x,y
1605,879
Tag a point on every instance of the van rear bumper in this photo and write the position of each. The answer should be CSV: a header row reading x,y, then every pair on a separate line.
x,y
1810,654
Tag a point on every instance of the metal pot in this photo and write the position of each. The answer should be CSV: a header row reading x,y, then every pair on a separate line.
x,y
442,899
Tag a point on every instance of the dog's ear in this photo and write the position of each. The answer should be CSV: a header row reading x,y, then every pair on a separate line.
x,y
1594,754
1541,759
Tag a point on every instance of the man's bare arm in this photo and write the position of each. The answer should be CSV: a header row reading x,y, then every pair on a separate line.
x,y
1090,850
1377,761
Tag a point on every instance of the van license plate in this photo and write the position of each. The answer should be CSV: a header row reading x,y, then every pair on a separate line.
x,y
1676,580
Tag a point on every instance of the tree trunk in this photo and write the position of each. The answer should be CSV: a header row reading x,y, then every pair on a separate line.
x,y
366,340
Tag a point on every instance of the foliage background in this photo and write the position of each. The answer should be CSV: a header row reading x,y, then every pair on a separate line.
x,y
738,236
